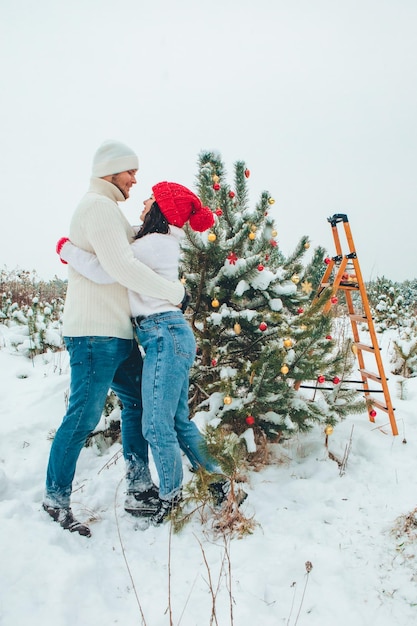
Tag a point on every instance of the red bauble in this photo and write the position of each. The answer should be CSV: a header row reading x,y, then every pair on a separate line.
x,y
372,413
327,260
263,326
214,362
300,310
336,380
218,212
329,337
321,378
260,267
247,173
216,186
250,420
266,257
334,300
231,194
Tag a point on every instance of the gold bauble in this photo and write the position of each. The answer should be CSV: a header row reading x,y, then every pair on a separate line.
x,y
251,236
215,303
215,178
253,228
271,201
288,342
354,349
211,237
227,400
237,328
328,430
274,233
284,369
306,245
295,279
183,280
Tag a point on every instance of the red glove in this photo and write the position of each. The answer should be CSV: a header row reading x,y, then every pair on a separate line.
x,y
59,245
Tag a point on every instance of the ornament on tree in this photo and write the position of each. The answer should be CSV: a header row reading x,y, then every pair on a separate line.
x,y
329,337
254,228
354,349
327,260
237,328
214,362
211,237
216,186
251,236
215,178
273,243
215,303
295,279
321,378
247,173
232,258
288,342
328,430
336,380
334,299
263,326
274,233
260,267
300,310
372,413
183,280
231,194
285,369
218,212
306,245
306,287
227,400
271,201
250,420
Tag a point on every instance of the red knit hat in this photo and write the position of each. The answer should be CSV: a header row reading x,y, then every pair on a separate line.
x,y
180,205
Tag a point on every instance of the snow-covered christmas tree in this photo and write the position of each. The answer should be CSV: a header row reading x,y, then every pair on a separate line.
x,y
266,359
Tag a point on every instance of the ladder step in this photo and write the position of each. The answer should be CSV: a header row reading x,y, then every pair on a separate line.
x,y
348,286
370,375
379,405
364,346
358,318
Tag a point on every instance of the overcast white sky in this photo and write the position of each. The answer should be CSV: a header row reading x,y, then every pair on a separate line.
x,y
319,97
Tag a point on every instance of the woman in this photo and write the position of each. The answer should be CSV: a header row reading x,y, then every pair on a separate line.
x,y
166,338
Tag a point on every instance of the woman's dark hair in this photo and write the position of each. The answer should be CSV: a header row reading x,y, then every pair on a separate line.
x,y
154,222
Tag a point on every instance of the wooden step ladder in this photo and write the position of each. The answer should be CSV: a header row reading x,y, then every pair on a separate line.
x,y
343,273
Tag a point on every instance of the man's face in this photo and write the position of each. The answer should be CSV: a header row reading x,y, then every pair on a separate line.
x,y
123,181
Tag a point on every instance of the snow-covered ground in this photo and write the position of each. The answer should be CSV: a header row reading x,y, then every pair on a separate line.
x,y
349,527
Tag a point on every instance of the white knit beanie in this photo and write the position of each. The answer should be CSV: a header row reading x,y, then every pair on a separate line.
x,y
113,157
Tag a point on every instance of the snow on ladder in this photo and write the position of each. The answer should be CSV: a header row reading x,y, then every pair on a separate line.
x,y
343,273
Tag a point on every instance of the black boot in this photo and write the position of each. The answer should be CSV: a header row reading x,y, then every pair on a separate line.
x,y
66,519
142,503
220,492
166,507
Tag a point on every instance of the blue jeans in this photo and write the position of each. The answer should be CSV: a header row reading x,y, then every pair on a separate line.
x,y
169,346
97,364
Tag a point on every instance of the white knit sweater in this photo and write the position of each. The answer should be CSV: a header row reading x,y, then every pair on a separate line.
x,y
99,226
159,252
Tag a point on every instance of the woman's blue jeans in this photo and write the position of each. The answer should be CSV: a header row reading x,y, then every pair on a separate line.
x,y
169,346
97,364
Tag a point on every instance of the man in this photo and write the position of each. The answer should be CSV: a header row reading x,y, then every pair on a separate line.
x,y
98,334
